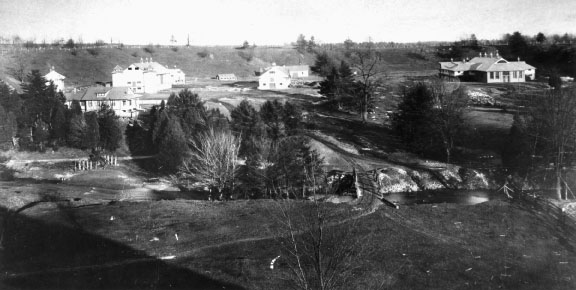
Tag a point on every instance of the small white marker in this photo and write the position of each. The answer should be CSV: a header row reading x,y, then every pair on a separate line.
x,y
272,262
167,257
176,236
112,218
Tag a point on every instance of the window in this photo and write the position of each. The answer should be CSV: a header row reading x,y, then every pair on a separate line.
x,y
497,75
272,72
521,74
124,103
129,68
130,103
137,68
129,83
263,84
491,75
515,74
280,83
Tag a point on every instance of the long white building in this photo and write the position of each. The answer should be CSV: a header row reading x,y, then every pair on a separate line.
x,y
147,76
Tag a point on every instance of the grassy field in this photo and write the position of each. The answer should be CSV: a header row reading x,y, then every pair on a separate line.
x,y
212,245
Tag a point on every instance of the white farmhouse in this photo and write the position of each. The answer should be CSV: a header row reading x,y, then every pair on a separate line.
x,y
147,76
56,78
122,100
280,77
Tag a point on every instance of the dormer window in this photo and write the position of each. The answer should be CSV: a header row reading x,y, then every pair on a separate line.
x,y
129,68
100,95
272,72
136,68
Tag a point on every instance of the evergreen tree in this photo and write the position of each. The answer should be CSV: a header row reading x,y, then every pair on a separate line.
x,y
295,169
92,133
8,126
271,114
172,146
75,108
190,111
58,124
323,65
540,38
109,128
246,122
9,99
76,131
292,117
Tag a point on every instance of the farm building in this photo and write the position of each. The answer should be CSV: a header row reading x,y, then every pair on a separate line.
x,y
226,77
122,100
56,78
147,76
280,77
488,69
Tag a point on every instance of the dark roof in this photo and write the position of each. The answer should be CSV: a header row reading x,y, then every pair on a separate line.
x,y
109,93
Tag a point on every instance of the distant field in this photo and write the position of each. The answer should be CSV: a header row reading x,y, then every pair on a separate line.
x,y
199,63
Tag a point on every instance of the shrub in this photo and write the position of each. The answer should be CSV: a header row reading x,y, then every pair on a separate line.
x,y
203,54
174,49
93,51
135,54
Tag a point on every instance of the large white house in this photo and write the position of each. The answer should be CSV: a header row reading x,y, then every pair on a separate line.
x,y
122,100
56,78
280,77
147,76
488,68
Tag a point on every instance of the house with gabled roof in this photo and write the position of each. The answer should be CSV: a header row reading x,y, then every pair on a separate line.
x,y
226,77
56,78
122,100
147,76
488,68
280,77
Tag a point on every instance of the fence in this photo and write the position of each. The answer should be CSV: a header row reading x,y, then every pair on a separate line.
x,y
103,162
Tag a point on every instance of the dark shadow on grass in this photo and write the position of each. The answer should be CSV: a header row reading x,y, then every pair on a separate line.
x,y
46,254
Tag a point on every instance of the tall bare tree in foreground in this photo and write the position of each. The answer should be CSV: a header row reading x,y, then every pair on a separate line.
x,y
551,128
213,160
319,253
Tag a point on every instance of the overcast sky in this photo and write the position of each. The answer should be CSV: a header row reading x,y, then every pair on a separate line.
x,y
230,22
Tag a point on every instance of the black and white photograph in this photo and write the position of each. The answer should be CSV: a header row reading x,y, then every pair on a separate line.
x,y
297,144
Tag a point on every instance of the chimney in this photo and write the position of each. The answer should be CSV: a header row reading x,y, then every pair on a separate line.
x,y
52,68
518,58
452,60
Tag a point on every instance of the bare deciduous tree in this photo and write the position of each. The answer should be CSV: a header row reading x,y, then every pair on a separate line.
x,y
319,252
213,160
366,62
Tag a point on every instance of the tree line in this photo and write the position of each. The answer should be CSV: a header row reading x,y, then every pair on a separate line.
x,y
254,154
39,118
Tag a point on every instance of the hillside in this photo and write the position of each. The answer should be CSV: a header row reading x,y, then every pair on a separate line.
x,y
86,66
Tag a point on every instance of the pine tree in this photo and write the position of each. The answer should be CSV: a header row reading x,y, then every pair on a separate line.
x,y
190,111
58,124
271,114
8,126
92,135
246,122
292,117
110,130
76,131
172,145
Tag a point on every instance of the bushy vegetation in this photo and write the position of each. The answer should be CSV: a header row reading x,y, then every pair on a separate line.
x,y
429,119
42,119
194,144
